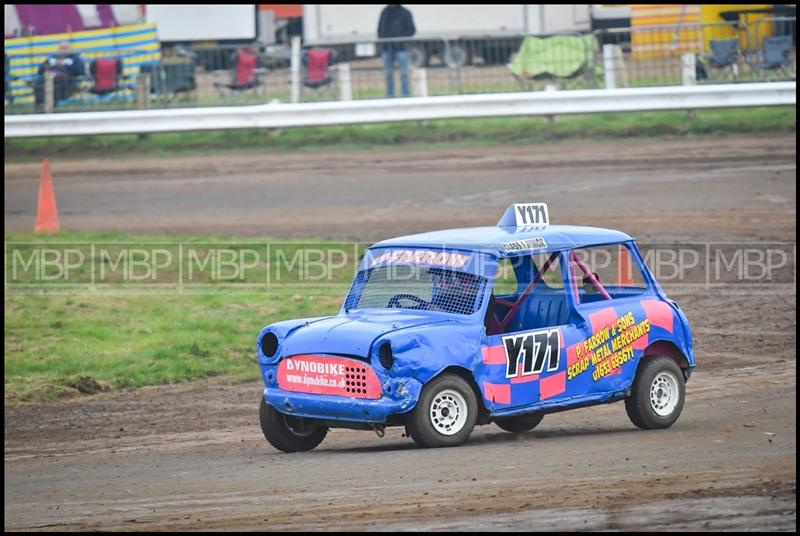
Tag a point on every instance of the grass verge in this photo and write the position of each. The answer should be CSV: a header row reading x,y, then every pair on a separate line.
x,y
489,131
128,331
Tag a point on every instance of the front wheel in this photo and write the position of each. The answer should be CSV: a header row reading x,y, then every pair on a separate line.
x,y
520,423
656,399
445,414
289,433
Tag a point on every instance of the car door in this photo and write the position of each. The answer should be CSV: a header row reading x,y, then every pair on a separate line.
x,y
609,297
524,360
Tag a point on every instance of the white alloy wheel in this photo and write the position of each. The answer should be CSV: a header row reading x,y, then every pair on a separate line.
x,y
664,393
448,412
657,394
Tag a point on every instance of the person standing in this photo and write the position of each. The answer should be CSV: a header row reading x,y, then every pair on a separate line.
x,y
395,21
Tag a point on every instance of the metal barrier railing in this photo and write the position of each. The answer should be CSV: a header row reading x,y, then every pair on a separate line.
x,y
640,56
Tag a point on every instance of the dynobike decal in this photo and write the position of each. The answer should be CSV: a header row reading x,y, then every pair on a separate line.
x,y
537,348
328,376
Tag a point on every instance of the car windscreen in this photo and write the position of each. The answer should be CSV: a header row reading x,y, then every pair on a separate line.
x,y
416,287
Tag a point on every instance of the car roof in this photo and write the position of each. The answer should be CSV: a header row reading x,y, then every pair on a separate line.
x,y
497,239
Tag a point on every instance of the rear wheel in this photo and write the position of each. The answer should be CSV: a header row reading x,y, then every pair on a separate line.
x,y
445,414
520,423
456,55
656,399
289,433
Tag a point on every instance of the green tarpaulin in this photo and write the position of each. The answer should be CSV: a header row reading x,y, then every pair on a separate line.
x,y
560,56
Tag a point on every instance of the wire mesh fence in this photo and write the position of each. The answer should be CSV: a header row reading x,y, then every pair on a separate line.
x,y
639,56
709,53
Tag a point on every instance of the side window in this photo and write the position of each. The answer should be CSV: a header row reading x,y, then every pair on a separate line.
x,y
605,273
552,277
505,280
515,274
520,305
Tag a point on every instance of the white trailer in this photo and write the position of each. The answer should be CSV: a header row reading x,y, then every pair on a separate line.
x,y
192,23
456,33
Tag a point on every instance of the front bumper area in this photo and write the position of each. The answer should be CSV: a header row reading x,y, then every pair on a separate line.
x,y
399,396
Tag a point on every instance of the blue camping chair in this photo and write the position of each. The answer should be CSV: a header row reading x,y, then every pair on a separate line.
x,y
724,54
776,54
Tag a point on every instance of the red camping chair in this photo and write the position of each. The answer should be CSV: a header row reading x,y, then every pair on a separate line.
x,y
245,72
105,73
317,68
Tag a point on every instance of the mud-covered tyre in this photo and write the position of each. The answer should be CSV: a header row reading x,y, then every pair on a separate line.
x,y
445,413
520,423
288,433
657,395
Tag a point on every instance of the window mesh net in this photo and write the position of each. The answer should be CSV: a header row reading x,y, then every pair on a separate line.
x,y
416,287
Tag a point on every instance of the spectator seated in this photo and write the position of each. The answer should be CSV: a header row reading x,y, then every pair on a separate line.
x,y
129,47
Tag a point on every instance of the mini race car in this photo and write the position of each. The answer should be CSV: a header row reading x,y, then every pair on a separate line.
x,y
445,330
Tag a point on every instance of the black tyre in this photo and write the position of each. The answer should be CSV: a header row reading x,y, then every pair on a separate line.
x,y
497,54
456,55
656,399
288,433
445,413
520,423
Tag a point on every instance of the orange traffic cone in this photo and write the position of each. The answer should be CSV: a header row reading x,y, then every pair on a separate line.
x,y
47,213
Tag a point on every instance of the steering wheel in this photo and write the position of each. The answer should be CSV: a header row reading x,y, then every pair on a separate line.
x,y
394,302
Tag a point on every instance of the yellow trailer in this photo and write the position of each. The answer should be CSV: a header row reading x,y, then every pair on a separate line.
x,y
669,30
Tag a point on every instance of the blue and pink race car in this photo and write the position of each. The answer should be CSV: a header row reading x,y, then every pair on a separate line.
x,y
445,330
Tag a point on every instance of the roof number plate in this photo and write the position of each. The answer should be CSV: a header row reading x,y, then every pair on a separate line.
x,y
528,214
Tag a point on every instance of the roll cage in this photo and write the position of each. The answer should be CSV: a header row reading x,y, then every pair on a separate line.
x,y
496,324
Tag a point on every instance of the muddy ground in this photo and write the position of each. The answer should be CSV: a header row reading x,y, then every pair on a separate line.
x,y
192,456
652,189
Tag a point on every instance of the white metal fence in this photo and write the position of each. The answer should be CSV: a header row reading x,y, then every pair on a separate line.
x,y
280,115
641,56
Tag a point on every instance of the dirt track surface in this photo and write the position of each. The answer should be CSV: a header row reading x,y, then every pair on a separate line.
x,y
192,456
662,186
